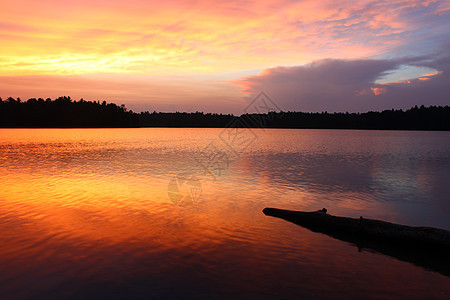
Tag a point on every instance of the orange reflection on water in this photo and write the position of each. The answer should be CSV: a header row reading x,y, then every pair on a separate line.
x,y
89,211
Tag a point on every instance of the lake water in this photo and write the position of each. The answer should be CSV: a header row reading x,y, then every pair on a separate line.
x,y
177,213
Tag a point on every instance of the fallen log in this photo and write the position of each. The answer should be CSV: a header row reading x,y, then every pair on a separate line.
x,y
425,246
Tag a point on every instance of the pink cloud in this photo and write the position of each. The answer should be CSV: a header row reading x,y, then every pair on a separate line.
x,y
378,90
203,36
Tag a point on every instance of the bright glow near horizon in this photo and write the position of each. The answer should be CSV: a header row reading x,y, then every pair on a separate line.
x,y
197,55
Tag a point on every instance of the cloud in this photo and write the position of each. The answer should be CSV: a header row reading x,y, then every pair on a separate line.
x,y
151,37
13,27
349,85
165,45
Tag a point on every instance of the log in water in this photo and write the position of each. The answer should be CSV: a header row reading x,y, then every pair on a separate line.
x,y
424,246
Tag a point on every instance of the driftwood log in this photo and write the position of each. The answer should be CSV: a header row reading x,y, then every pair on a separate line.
x,y
424,246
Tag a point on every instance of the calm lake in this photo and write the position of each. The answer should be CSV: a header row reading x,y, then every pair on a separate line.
x,y
177,213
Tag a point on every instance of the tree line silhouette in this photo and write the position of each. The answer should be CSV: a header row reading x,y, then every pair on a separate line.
x,y
66,113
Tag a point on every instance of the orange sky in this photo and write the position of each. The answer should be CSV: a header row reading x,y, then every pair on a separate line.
x,y
161,52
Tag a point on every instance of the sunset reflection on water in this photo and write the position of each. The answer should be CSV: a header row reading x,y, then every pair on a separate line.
x,y
86,212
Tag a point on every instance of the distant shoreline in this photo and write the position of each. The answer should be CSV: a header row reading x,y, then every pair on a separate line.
x,y
63,112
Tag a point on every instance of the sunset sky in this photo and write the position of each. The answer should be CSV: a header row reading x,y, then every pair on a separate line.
x,y
214,56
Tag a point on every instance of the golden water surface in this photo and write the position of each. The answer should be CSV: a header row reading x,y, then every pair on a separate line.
x,y
129,213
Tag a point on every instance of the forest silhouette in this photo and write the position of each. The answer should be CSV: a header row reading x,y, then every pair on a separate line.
x,y
64,112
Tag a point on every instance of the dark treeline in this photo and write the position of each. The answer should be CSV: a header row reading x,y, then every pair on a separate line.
x,y
416,118
64,112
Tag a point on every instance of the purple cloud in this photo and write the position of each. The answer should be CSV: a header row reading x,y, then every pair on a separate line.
x,y
349,85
